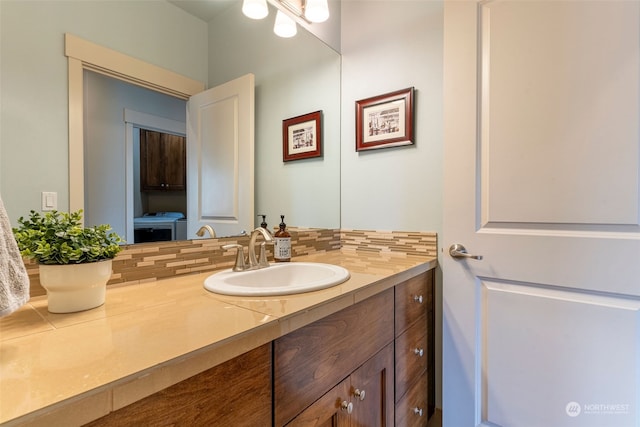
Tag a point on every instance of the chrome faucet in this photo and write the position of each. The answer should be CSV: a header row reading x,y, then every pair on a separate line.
x,y
268,238
206,228
252,263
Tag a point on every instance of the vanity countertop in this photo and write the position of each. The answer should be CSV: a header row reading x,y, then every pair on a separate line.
x,y
73,368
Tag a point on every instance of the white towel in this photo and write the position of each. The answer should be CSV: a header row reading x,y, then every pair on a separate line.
x,y
14,281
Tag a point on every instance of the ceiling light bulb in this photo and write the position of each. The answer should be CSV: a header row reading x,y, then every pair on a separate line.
x,y
255,9
284,26
316,10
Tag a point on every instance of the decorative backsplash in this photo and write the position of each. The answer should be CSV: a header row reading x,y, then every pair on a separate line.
x,y
406,242
146,262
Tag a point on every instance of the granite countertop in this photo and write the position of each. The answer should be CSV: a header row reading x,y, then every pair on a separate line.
x,y
77,367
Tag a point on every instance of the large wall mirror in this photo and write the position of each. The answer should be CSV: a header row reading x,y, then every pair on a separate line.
x,y
292,77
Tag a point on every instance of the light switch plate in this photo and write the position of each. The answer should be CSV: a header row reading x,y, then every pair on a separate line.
x,y
49,201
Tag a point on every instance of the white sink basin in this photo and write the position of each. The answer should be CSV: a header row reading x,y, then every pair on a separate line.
x,y
277,279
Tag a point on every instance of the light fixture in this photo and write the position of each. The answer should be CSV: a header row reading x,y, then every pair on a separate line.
x,y
316,10
255,9
284,26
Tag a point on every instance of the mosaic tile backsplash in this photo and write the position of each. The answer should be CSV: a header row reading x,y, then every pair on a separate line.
x,y
146,262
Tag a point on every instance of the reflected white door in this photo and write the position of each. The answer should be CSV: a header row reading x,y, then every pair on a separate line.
x,y
541,104
220,131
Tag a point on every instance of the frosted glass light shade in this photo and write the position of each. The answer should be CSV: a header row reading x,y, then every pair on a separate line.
x,y
316,10
284,26
255,9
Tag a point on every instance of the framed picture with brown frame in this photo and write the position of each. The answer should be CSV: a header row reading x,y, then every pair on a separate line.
x,y
385,120
302,137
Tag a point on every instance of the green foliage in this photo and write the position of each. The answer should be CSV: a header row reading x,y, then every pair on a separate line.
x,y
59,238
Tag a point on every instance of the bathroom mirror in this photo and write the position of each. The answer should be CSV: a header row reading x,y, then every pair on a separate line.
x,y
293,77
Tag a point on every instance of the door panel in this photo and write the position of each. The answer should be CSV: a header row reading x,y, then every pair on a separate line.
x,y
220,158
541,349
558,105
541,105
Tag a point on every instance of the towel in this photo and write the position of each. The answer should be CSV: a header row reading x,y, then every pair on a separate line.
x,y
14,281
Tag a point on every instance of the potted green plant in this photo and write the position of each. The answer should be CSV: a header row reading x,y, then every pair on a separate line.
x,y
74,261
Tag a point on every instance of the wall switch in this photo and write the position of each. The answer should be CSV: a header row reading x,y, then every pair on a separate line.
x,y
49,201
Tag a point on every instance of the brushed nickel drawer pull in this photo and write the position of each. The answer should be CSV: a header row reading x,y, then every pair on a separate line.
x,y
418,299
417,411
418,352
347,406
359,394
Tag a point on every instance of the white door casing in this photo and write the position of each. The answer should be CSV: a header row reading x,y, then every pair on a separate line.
x,y
541,103
220,158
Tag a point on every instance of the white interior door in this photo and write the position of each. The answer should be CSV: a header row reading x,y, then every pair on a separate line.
x,y
220,134
541,178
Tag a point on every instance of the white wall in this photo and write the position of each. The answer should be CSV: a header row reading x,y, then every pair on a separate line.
x,y
33,79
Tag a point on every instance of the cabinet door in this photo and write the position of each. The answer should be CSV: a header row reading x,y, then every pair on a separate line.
x,y
175,158
372,391
331,410
311,360
162,161
235,393
151,153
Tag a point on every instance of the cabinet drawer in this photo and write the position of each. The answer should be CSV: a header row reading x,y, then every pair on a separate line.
x,y
311,360
412,356
413,410
413,299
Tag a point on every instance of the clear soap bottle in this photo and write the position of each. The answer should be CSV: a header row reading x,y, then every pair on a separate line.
x,y
282,245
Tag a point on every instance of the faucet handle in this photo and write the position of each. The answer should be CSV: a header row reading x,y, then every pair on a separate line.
x,y
262,262
240,264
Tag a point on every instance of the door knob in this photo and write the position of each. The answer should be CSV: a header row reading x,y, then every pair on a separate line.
x,y
346,406
458,251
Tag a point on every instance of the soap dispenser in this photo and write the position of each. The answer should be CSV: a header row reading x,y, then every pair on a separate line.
x,y
282,245
263,224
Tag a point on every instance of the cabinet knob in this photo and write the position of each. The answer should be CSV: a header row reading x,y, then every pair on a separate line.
x,y
346,406
418,299
359,394
417,411
418,352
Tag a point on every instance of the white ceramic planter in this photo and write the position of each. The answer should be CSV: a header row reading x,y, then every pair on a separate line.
x,y
75,287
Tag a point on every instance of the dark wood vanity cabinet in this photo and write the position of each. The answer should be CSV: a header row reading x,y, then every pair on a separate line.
x,y
338,371
371,364
162,161
381,349
414,351
237,392
364,398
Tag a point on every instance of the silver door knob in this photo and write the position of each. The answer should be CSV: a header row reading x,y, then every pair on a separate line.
x,y
458,251
359,394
